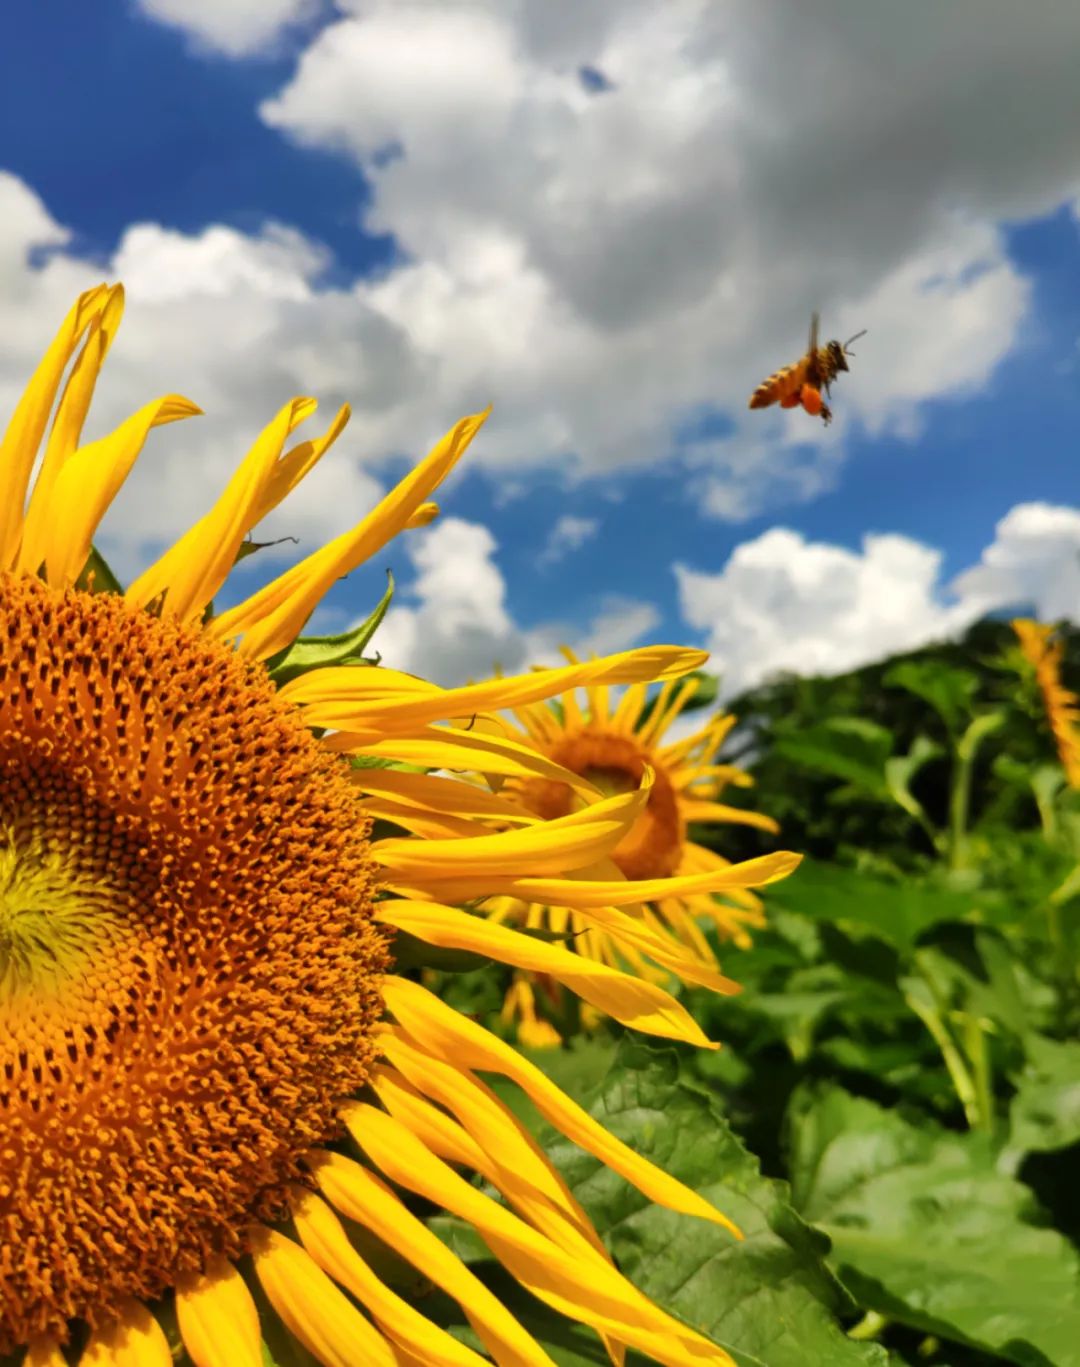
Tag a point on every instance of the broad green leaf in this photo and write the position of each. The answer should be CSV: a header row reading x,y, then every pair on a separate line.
x,y
926,1231
848,748
948,690
320,652
897,912
1045,1112
767,1298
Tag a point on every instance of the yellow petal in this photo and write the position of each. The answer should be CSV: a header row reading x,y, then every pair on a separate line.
x,y
273,617
640,1005
295,465
192,570
363,700
423,517
312,1308
44,1351
218,1320
693,810
594,893
363,1197
445,747
588,1290
448,1035
431,793
19,449
134,1340
511,1159
323,1236
566,842
84,488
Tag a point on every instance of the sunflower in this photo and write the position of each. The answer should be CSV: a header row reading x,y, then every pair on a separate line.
x,y
1044,653
611,745
208,1060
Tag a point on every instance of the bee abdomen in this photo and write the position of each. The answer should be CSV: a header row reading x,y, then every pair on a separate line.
x,y
768,391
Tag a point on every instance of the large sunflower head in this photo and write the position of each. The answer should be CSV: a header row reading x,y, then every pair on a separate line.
x,y
197,986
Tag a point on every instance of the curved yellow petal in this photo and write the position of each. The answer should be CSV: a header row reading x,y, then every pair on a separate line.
x,y
363,1197
83,489
363,700
511,1159
271,618
574,841
19,448
446,747
195,567
638,1004
323,1236
44,1351
287,472
423,517
312,1308
134,1340
448,1035
693,810
218,1319
589,1290
585,894
449,796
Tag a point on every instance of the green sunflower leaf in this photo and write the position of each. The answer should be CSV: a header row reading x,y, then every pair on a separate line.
x,y
1045,1112
769,1298
927,1231
321,652
895,912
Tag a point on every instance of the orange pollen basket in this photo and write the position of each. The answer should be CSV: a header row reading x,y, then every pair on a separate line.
x,y
654,845
189,972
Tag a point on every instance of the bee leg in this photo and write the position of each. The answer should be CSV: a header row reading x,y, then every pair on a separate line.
x,y
826,414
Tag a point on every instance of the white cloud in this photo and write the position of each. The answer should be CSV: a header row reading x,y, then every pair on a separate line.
x,y
457,625
603,263
238,324
786,604
1033,562
236,28
569,534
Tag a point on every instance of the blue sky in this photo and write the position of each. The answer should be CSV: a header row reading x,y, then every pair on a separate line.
x,y
528,243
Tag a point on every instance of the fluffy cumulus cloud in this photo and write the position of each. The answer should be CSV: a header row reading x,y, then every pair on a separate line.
x,y
451,622
783,604
612,250
237,323
236,28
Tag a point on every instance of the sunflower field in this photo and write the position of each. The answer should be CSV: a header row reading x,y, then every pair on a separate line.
x,y
893,1119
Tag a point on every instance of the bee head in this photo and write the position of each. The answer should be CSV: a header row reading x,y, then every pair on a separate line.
x,y
837,356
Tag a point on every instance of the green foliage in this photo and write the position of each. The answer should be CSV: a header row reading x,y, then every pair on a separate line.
x,y
926,1231
905,1052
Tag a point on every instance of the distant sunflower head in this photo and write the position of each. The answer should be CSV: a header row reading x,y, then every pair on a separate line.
x,y
197,986
612,748
1045,652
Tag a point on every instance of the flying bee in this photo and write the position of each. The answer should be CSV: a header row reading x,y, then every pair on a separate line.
x,y
803,382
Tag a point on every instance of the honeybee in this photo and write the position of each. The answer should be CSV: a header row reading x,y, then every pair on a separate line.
x,y
803,382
